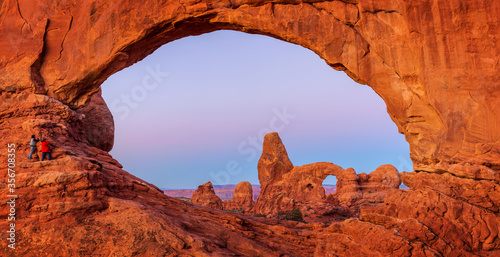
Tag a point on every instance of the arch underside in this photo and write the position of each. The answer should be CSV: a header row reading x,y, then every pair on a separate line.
x,y
439,81
381,45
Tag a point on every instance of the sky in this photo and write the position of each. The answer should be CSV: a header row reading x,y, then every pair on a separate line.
x,y
197,109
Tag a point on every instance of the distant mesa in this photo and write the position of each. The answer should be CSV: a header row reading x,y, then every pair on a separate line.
x,y
226,192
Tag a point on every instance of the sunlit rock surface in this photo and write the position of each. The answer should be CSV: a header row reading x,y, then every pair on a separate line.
x,y
205,196
435,64
242,199
300,187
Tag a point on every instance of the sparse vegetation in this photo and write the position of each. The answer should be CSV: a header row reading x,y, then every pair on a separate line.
x,y
240,210
260,215
183,199
294,215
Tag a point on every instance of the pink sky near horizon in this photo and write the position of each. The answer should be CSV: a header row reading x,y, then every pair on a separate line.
x,y
225,87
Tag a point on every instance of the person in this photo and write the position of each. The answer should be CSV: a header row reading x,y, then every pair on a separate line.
x,y
45,149
33,142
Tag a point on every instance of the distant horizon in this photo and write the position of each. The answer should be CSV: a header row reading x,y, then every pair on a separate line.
x,y
228,185
197,109
402,186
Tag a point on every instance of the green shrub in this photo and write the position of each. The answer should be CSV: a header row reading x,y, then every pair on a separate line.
x,y
240,210
294,215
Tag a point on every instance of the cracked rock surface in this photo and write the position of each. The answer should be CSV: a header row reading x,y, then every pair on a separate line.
x,y
435,64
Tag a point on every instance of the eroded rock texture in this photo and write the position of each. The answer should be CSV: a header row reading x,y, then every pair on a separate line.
x,y
434,62
300,187
205,196
242,199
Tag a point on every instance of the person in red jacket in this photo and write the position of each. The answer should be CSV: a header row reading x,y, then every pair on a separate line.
x,y
45,149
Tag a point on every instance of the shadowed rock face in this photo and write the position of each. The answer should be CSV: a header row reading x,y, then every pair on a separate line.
x,y
435,64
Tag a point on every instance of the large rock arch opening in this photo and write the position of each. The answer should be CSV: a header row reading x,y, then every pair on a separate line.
x,y
435,64
187,86
74,47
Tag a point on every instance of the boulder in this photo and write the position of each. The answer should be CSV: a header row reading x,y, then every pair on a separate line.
x,y
242,199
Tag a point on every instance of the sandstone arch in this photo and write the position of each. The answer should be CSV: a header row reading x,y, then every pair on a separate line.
x,y
285,187
434,62
69,49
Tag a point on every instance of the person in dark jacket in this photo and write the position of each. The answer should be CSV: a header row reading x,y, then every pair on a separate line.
x,y
45,149
33,142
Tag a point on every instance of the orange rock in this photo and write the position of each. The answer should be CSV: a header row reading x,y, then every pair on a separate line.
x,y
100,131
273,162
242,199
205,196
434,63
389,45
383,178
366,189
301,187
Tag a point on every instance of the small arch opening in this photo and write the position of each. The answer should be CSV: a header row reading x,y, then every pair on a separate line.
x,y
330,184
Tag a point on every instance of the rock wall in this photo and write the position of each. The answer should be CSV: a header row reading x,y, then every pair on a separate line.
x,y
434,62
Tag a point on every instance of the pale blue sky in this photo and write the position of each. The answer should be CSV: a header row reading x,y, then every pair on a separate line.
x,y
192,111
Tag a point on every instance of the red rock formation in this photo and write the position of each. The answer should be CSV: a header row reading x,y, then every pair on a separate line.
x,y
434,63
361,190
301,187
100,132
273,162
225,192
205,196
361,39
242,199
383,178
